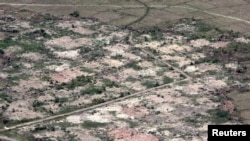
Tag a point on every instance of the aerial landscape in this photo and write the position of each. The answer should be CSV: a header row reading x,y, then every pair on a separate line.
x,y
122,70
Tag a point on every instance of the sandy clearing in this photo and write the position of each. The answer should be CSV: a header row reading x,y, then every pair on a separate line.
x,y
212,82
135,112
97,117
137,86
172,74
4,75
119,34
128,72
67,42
44,98
147,72
117,48
208,67
192,89
197,56
114,51
75,26
75,119
66,75
112,62
24,24
54,134
181,61
164,97
71,54
191,69
33,82
145,64
81,134
57,68
242,40
93,65
153,44
32,56
169,49
131,56
232,66
128,134
219,44
199,43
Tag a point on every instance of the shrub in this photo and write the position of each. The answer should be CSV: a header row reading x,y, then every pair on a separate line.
x,y
97,101
219,116
1,52
79,81
93,90
91,124
150,84
133,65
75,14
109,83
167,80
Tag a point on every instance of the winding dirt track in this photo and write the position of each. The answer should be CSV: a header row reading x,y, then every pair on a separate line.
x,y
129,6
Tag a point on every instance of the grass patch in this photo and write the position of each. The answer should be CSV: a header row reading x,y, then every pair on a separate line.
x,y
133,65
91,124
150,84
167,80
79,81
93,90
219,116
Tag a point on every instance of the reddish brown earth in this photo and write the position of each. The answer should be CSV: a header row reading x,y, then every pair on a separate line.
x,y
136,111
126,134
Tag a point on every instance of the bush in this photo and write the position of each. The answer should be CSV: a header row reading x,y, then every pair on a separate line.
x,y
61,100
109,83
97,101
75,14
79,81
150,84
167,80
1,52
92,124
219,116
133,65
207,60
93,90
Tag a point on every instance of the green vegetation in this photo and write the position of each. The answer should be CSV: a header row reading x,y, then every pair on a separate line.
x,y
133,64
150,84
167,80
219,116
61,100
117,57
75,14
207,60
79,81
1,52
91,89
3,96
91,124
97,101
109,83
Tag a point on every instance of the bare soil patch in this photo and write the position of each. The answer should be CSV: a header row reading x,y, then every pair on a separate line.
x,y
67,42
66,75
